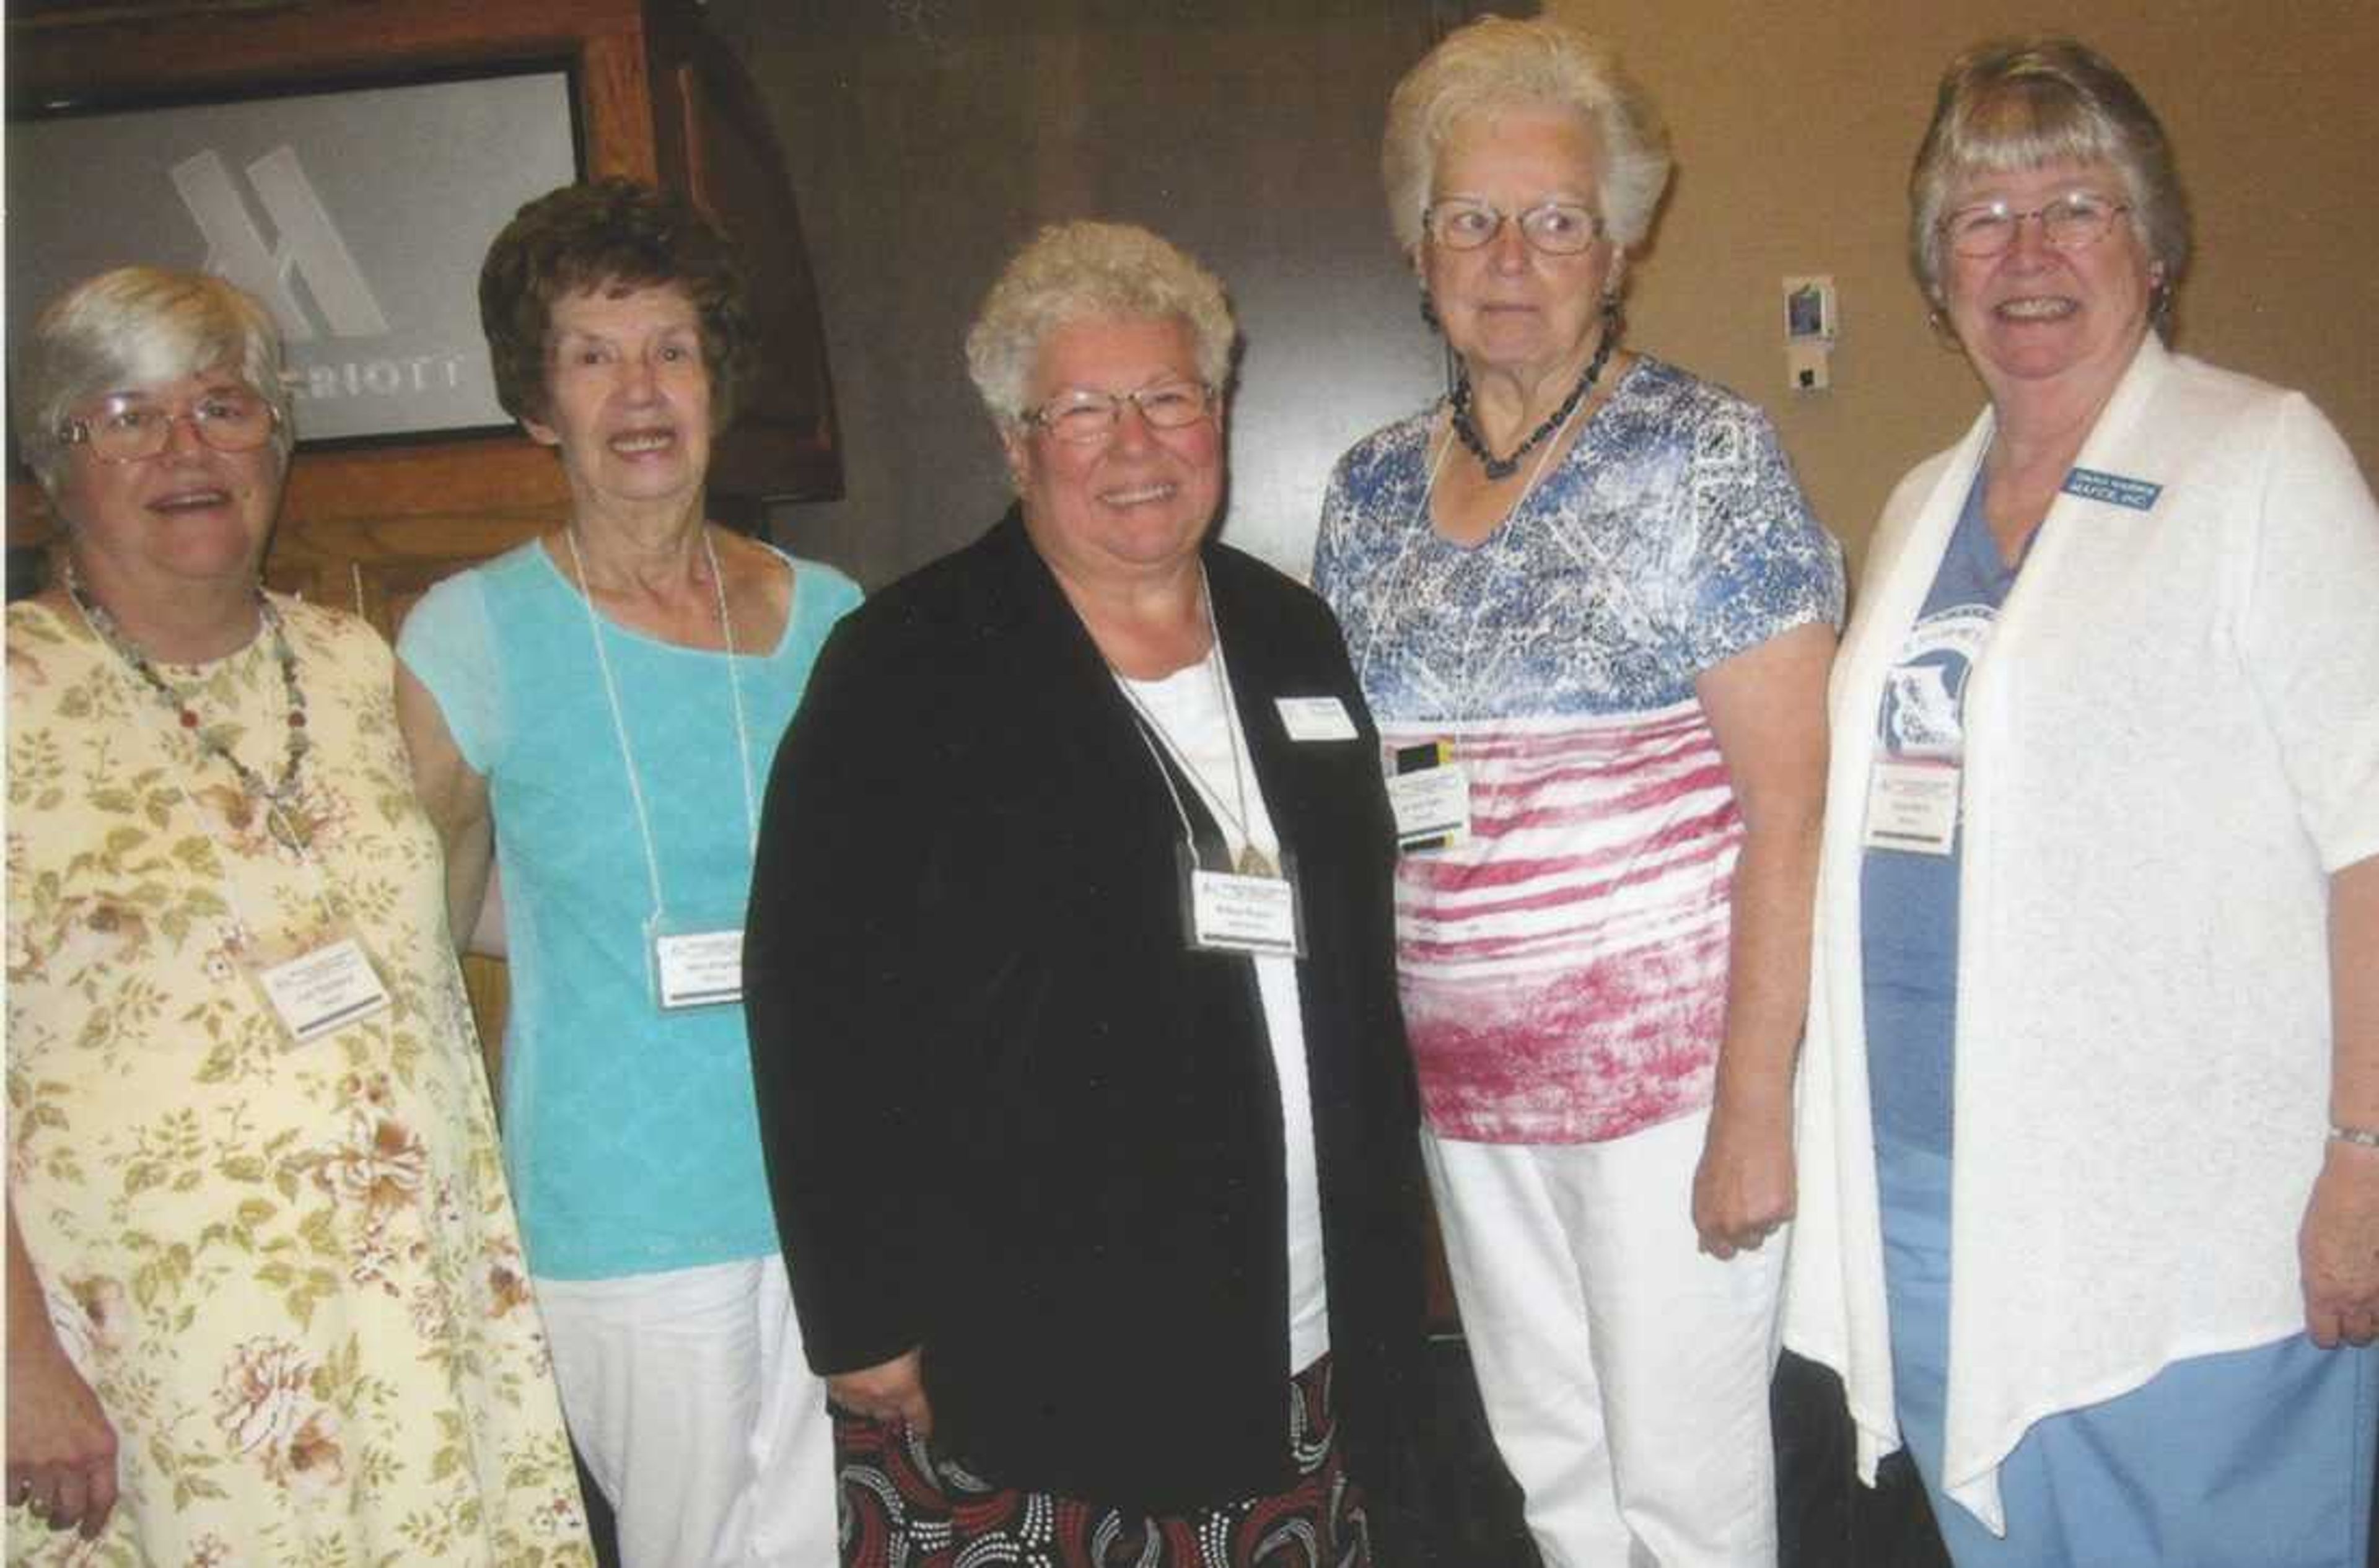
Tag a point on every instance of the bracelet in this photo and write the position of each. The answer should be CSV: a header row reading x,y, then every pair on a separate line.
x,y
2366,1136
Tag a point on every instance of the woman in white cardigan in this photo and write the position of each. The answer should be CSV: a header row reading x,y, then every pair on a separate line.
x,y
2089,1113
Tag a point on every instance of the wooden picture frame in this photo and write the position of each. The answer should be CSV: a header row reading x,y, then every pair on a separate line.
x,y
657,98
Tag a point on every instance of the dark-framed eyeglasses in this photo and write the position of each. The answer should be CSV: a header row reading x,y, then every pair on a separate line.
x,y
2075,221
1555,228
129,427
1085,416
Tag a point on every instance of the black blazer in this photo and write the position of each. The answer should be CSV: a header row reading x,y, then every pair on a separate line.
x,y
1009,1115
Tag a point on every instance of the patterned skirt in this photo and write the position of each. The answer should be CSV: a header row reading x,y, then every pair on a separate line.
x,y
903,1507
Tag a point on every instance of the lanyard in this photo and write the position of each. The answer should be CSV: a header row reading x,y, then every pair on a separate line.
x,y
619,720
1250,861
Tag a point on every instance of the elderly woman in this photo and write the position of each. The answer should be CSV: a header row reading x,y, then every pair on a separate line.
x,y
265,1296
1593,616
598,708
1086,1098
2091,1126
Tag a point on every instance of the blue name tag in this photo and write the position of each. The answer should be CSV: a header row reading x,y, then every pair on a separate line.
x,y
2122,490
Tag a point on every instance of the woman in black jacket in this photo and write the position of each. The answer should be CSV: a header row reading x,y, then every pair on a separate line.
x,y
1070,969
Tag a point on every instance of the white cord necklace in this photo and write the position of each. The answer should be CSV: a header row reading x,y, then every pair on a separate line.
x,y
619,716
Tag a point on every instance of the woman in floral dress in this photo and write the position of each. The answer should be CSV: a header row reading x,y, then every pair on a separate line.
x,y
266,1302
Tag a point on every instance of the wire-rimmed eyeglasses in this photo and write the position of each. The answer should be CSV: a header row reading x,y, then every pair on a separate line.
x,y
128,428
1556,228
1083,416
2073,221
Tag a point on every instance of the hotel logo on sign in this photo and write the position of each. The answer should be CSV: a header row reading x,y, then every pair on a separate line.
x,y
310,246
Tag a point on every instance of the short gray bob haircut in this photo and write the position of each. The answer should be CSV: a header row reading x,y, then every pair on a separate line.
x,y
139,326
1496,66
2028,102
1086,271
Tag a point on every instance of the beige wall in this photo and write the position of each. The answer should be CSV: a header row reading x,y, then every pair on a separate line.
x,y
1794,125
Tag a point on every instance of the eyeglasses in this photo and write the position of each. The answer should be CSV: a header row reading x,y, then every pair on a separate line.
x,y
127,428
1556,228
2074,221
1086,418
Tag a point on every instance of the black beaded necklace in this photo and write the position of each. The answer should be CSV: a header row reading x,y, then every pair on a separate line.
x,y
1504,467
279,797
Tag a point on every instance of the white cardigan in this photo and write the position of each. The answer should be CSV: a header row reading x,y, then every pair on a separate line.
x,y
2172,738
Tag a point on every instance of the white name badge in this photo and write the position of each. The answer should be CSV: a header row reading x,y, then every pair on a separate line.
x,y
1912,805
1431,806
698,969
1315,719
324,989
1231,913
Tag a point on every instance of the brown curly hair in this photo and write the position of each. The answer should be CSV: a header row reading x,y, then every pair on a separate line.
x,y
603,234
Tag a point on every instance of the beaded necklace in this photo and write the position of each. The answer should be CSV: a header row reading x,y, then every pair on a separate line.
x,y
281,797
1504,467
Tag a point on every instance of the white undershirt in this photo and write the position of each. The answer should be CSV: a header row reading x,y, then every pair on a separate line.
x,y
1187,705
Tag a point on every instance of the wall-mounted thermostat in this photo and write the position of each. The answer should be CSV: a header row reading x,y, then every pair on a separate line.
x,y
1812,321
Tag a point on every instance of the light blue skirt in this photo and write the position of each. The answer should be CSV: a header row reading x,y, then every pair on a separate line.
x,y
2257,1458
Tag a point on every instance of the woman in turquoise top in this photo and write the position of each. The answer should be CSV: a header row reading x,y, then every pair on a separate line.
x,y
594,714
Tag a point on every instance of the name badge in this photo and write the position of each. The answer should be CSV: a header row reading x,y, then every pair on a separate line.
x,y
1315,719
1912,806
324,989
1430,795
698,969
1231,913
2120,489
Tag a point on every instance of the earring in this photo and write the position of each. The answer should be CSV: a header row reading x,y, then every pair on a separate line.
x,y
1944,335
1613,319
1429,313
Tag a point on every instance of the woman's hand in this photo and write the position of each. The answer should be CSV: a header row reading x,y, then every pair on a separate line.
x,y
2338,1248
61,1447
888,1392
1742,1189
2337,1245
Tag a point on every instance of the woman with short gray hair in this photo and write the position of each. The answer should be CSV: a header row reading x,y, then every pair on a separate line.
x,y
1076,272
265,1296
138,324
1594,616
2089,1125
1084,1097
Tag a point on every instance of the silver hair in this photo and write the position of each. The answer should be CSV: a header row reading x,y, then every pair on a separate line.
x,y
1497,64
2028,102
1086,271
137,327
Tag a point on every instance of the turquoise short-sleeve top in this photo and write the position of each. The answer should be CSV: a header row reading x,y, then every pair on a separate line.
x,y
630,1132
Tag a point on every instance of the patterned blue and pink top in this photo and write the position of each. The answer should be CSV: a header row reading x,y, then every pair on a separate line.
x,y
1563,967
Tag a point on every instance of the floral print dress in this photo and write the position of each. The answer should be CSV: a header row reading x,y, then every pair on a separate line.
x,y
290,1272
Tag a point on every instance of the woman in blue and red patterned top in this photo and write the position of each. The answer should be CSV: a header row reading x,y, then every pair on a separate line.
x,y
1593,616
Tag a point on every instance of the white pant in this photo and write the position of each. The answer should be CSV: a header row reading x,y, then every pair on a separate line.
x,y
688,1397
1624,1372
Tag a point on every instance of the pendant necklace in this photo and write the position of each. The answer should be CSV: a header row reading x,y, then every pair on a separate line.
x,y
1504,467
280,798
1250,861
